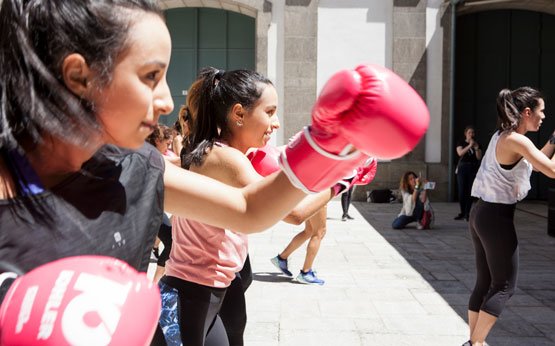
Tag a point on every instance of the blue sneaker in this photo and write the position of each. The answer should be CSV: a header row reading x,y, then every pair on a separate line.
x,y
281,264
309,278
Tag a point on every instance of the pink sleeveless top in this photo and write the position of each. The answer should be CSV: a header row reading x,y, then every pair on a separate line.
x,y
205,254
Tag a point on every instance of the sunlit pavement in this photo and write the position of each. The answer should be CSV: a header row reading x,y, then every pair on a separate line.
x,y
395,287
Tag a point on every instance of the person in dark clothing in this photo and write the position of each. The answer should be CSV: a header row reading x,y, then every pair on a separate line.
x,y
346,203
470,154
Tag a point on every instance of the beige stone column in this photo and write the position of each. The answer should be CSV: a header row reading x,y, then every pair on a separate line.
x,y
409,51
300,56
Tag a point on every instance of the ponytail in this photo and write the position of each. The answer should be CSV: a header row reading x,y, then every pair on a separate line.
x,y
511,104
210,100
207,122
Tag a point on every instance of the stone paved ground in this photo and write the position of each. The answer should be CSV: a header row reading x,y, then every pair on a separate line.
x,y
391,287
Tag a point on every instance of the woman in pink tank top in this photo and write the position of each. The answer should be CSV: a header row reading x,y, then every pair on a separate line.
x,y
232,112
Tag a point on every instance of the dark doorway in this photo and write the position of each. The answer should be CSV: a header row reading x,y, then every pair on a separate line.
x,y
503,49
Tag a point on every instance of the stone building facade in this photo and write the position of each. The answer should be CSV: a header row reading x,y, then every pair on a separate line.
x,y
299,43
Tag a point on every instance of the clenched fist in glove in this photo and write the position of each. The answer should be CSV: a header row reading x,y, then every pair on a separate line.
x,y
85,300
265,162
265,159
368,111
362,175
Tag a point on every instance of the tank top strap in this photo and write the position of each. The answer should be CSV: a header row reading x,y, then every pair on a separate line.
x,y
28,182
220,144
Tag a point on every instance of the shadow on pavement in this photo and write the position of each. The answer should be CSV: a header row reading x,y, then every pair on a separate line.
x,y
444,257
271,277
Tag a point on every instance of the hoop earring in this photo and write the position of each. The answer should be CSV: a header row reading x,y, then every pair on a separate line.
x,y
239,123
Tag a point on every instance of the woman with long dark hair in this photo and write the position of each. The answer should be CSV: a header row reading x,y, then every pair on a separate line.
x,y
414,198
232,112
82,85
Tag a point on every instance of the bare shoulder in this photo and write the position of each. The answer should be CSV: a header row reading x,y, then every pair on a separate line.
x,y
226,156
225,164
518,144
515,140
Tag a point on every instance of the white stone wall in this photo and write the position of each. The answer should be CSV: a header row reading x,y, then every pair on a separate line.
x,y
434,78
351,32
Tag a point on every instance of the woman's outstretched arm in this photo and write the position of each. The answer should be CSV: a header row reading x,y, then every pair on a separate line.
x,y
250,209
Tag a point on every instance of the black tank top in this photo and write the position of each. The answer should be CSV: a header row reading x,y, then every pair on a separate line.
x,y
511,166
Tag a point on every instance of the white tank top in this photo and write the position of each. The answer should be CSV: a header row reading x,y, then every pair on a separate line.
x,y
495,184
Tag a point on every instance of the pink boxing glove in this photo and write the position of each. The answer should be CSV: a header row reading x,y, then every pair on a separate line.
x,y
369,109
265,159
92,300
265,162
366,173
363,175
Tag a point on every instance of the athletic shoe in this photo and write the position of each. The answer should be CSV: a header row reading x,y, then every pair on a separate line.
x,y
309,278
344,218
281,264
349,217
469,343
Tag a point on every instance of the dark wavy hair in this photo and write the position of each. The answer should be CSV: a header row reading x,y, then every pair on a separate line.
x,y
511,104
213,95
35,38
404,184
161,132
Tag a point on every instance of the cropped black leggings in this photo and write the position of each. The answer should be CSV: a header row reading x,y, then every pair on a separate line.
x,y
496,249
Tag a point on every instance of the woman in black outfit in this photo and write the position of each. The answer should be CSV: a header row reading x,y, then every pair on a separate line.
x,y
470,154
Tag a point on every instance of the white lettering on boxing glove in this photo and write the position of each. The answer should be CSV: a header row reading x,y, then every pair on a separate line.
x,y
26,308
48,318
100,296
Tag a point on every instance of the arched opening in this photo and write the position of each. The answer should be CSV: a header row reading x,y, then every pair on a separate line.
x,y
503,49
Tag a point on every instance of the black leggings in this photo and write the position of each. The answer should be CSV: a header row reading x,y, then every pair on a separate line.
x,y
165,236
346,200
197,308
496,249
233,311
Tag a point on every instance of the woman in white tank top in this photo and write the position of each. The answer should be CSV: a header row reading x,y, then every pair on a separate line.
x,y
502,180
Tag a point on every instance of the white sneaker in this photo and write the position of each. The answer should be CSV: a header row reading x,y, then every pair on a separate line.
x,y
419,226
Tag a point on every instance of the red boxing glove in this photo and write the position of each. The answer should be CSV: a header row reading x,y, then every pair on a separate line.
x,y
363,175
265,159
370,109
92,300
